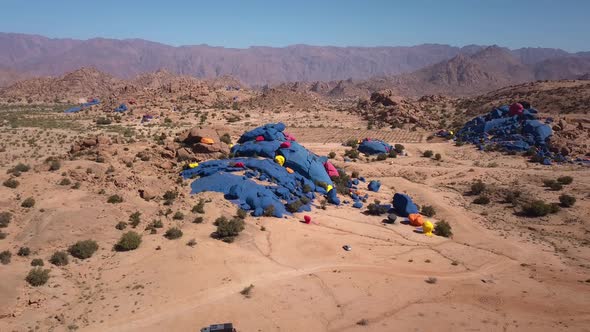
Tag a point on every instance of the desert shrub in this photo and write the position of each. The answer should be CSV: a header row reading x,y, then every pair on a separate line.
x,y
28,203
59,258
567,200
54,165
129,241
269,211
443,228
294,206
121,225
3,235
24,251
135,219
323,204
199,207
438,156
427,154
381,156
477,187
376,209
157,223
103,121
83,249
392,154
363,322
5,218
247,291
198,220
332,155
37,262
549,183
5,257
482,200
19,168
225,138
353,154
353,143
428,211
11,183
169,197
306,188
565,180
354,174
191,243
178,215
556,186
341,182
65,182
173,233
37,277
538,208
115,199
241,213
76,185
512,197
228,228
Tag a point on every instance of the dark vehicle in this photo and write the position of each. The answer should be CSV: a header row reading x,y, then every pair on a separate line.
x,y
227,327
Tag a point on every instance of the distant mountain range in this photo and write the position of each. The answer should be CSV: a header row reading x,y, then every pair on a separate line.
x,y
24,55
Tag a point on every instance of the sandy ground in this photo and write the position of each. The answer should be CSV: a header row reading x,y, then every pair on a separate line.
x,y
499,272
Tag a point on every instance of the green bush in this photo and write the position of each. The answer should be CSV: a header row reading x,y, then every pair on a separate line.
x,y
37,262
242,214
135,219
392,154
83,249
37,277
353,143
115,199
352,154
294,206
5,257
3,235
5,218
28,203
376,209
11,183
556,186
170,195
103,121
539,208
565,180
549,183
482,200
228,228
306,188
269,211
225,138
129,241
443,228
438,156
178,216
157,223
54,165
427,154
59,258
198,220
399,148
381,156
199,207
173,233
121,225
428,211
20,168
332,155
512,197
354,174
65,182
477,187
567,200
24,251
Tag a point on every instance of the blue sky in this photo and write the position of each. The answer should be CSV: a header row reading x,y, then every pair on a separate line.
x,y
233,23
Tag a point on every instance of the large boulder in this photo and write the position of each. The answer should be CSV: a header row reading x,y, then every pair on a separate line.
x,y
195,134
184,154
